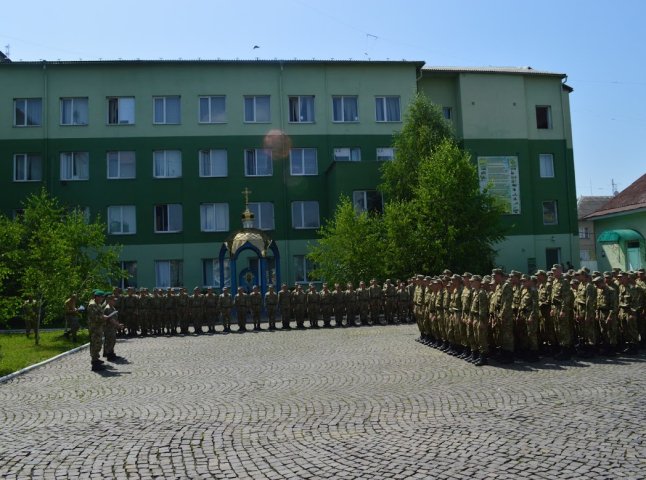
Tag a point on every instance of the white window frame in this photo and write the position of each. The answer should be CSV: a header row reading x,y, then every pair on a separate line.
x,y
165,164
84,156
205,212
213,264
212,154
299,101
127,282
544,173
26,107
385,154
383,100
298,214
119,154
259,221
121,211
255,151
304,262
168,214
297,156
556,212
73,108
340,151
165,99
121,109
343,99
209,114
549,117
364,200
28,159
255,98
168,266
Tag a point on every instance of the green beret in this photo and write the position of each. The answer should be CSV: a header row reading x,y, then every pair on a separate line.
x,y
98,293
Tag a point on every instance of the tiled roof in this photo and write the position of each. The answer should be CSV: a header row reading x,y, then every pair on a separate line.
x,y
586,205
489,69
632,198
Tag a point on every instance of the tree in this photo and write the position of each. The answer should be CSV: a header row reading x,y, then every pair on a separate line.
x,y
423,131
10,257
59,253
349,247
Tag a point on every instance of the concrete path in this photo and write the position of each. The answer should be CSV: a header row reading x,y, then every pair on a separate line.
x,y
363,403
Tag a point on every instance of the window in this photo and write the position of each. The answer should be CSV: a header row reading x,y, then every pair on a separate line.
x,y
75,166
447,112
213,109
122,220
168,218
74,111
546,165
263,215
550,213
167,164
121,110
543,117
213,163
347,154
256,109
367,201
166,110
211,273
387,109
303,267
344,109
303,161
121,165
131,268
27,167
169,273
28,112
305,215
301,109
584,233
214,217
257,163
385,154
584,255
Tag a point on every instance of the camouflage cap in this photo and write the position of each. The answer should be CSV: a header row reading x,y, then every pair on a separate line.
x,y
467,274
514,273
596,273
428,278
607,274
616,269
556,266
486,278
455,276
476,278
533,278
541,272
497,271
597,279
446,271
641,270
524,276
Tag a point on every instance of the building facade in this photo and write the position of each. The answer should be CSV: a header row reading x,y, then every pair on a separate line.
x,y
162,151
587,238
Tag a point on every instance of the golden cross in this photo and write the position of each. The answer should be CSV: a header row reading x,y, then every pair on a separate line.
x,y
246,192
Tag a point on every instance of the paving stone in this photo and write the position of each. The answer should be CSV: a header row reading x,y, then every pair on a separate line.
x,y
341,404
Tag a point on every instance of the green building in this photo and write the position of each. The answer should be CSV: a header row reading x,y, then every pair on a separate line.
x,y
164,149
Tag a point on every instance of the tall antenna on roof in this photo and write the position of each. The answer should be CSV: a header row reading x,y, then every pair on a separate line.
x,y
7,50
615,192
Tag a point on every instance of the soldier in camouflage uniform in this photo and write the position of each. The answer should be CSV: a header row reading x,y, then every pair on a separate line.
x,y
182,310
640,282
298,300
351,305
390,301
95,324
196,310
313,306
546,335
561,313
586,315
210,309
418,302
628,308
110,313
466,331
271,302
326,304
225,302
254,300
363,300
455,316
403,303
242,305
503,325
129,313
157,313
527,319
479,321
376,301
169,312
285,305
338,303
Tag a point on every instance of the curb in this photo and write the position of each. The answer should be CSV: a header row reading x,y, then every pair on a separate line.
x,y
6,378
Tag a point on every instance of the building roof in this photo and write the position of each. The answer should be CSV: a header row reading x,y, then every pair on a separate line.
x,y
586,205
4,58
236,61
631,199
490,69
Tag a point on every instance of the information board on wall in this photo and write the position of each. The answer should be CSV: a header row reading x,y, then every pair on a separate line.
x,y
500,176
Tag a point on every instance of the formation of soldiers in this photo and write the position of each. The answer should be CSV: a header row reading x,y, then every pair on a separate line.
x,y
517,316
168,312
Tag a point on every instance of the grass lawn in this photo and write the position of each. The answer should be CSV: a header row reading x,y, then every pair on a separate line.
x,y
17,351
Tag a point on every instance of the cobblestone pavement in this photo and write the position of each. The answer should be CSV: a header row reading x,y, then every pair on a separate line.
x,y
354,403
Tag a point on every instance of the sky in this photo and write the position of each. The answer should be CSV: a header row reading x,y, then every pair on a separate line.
x,y
600,45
